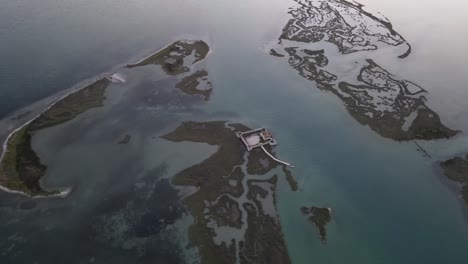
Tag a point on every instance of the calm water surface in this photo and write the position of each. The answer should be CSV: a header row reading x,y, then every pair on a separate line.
x,y
390,205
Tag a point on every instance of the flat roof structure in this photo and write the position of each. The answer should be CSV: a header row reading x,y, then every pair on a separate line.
x,y
253,140
258,138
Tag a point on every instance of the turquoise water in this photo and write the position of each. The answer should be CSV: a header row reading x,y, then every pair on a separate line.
x,y
390,204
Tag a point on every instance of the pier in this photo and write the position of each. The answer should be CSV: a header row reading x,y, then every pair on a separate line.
x,y
275,159
258,138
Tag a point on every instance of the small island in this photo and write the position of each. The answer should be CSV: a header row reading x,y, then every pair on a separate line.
x,y
456,169
320,217
290,179
193,84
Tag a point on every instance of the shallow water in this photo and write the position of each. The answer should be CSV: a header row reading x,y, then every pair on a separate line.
x,y
390,204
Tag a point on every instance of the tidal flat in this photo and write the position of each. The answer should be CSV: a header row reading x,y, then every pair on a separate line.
x,y
392,107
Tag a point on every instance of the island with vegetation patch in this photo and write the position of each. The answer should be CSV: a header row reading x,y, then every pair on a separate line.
x,y
320,217
392,107
456,169
20,167
234,205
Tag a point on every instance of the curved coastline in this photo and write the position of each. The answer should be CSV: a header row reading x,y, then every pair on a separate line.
x,y
107,78
62,194
20,167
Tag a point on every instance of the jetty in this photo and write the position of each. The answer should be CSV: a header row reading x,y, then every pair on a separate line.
x,y
258,138
420,148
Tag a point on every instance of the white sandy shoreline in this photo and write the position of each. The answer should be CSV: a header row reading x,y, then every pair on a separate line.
x,y
81,86
64,193
67,191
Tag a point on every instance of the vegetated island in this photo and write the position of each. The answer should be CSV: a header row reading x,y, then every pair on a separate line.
x,y
390,106
343,23
225,200
177,59
20,168
172,58
190,84
290,179
456,169
320,217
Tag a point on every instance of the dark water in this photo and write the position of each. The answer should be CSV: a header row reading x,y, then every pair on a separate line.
x,y
120,227
123,208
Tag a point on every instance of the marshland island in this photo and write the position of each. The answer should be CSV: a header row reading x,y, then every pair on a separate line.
x,y
319,217
392,107
20,168
234,204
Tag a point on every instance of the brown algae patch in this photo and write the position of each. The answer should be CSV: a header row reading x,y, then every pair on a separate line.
x,y
320,217
456,169
172,57
218,201
191,84
21,168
